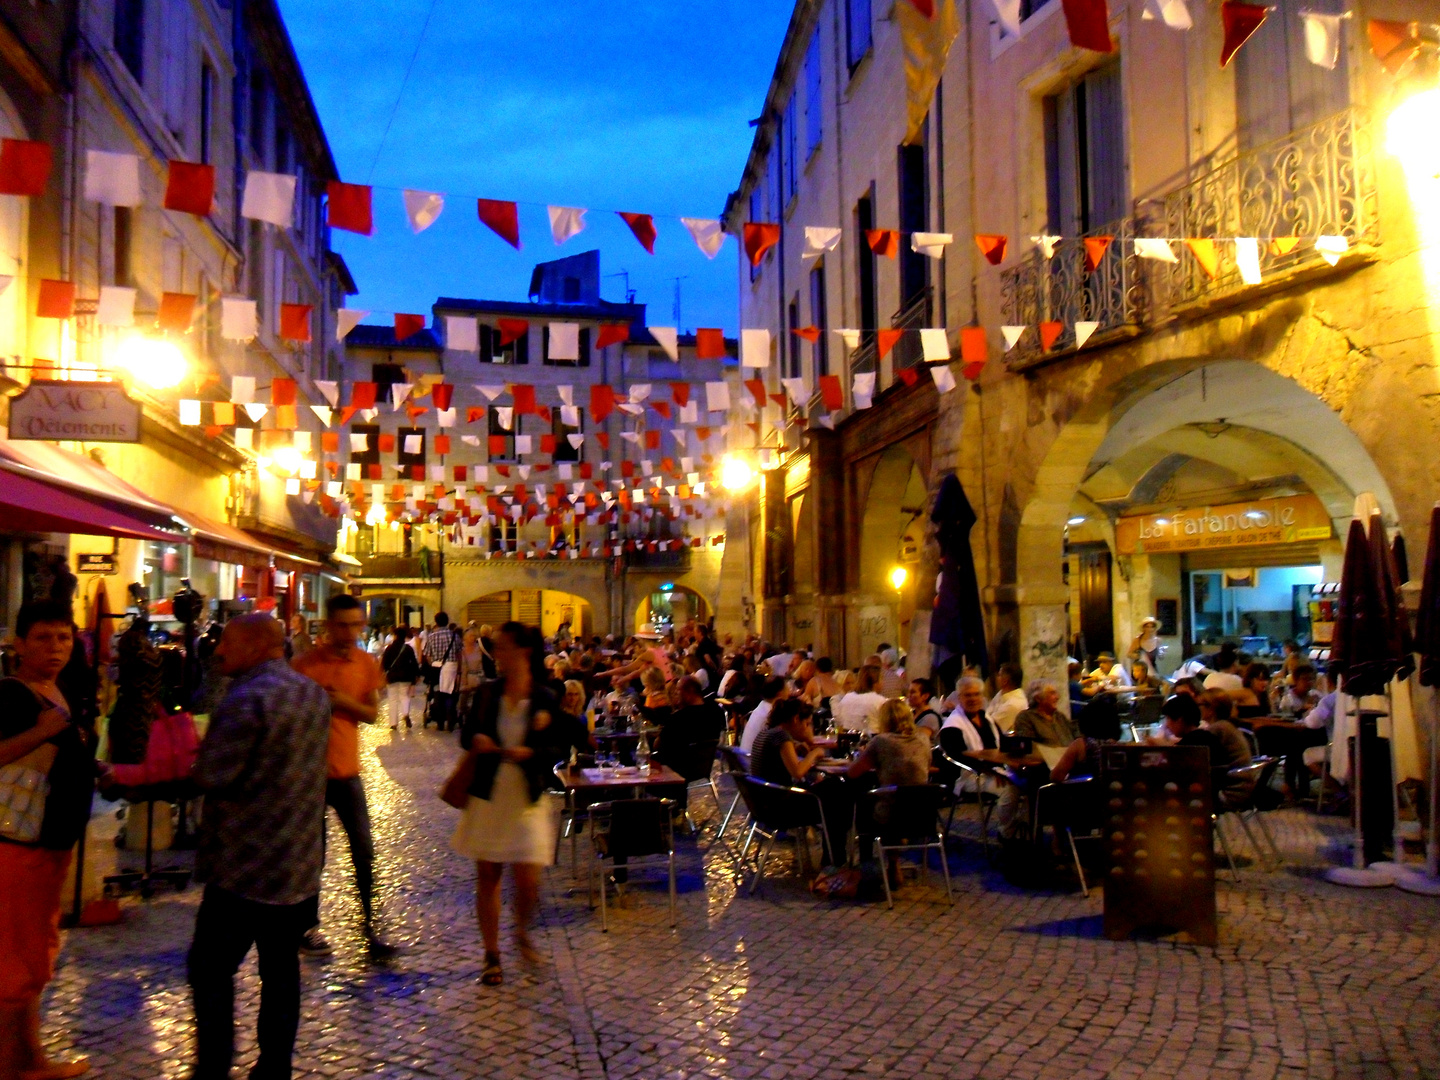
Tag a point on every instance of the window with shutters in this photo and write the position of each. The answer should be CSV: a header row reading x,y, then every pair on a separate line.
x,y
207,112
755,205
821,348
792,339
914,217
527,606
502,538
865,278
370,454
789,170
408,458
814,107
1085,160
512,352
562,431
1277,89
505,448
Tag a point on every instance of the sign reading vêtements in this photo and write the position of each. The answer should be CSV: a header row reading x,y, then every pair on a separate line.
x,y
1291,520
60,410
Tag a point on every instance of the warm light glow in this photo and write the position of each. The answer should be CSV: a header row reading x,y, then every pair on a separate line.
x,y
1079,519
1410,133
287,460
898,577
735,474
157,363
375,515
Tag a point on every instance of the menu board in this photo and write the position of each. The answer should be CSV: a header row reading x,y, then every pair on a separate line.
x,y
1160,868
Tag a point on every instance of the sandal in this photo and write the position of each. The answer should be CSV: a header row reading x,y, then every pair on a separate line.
x,y
490,974
528,952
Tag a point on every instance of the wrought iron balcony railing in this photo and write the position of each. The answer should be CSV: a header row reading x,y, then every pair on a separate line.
x,y
1316,181
913,316
422,567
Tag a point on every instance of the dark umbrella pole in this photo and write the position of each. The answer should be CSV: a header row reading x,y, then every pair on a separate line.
x,y
1427,644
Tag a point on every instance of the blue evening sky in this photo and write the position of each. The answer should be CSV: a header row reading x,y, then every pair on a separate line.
x,y
638,106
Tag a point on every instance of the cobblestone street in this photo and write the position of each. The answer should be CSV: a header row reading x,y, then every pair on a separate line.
x,y
1308,980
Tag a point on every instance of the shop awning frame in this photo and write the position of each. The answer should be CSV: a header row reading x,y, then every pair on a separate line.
x,y
226,543
28,504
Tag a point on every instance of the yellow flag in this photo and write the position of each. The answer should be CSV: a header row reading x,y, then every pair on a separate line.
x,y
927,41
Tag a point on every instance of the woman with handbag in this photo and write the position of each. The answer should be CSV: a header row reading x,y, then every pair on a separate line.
x,y
513,737
47,777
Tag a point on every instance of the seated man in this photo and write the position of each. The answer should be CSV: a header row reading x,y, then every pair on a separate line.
x,y
775,689
1009,700
968,728
1051,731
1107,676
687,739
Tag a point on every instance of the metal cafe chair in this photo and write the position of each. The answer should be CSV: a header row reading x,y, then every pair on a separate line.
x,y
775,808
912,824
732,761
1258,773
631,829
1074,807
985,801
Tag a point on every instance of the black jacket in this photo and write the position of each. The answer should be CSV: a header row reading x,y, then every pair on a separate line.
x,y
551,743
400,663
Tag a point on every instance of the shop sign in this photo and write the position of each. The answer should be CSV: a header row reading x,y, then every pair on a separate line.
x,y
95,564
63,410
1292,520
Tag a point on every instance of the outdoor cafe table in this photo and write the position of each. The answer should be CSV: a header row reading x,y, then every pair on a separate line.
x,y
614,781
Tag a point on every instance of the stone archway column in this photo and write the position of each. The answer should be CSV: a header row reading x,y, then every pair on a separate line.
x,y
1044,631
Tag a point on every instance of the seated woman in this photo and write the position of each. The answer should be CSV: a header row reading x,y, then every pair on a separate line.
x,y
656,706
1253,697
899,755
785,752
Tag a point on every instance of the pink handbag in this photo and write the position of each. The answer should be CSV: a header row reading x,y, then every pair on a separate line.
x,y
169,754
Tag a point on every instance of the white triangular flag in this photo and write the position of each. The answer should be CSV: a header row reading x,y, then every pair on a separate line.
x,y
112,179
564,341
1247,259
631,437
630,408
1159,250
1011,334
1008,12
189,412
324,413
330,389
244,438
422,208
116,307
639,392
462,333
851,338
470,440
1083,329
242,389
269,197
934,345
346,319
504,416
827,421
1047,244
818,240
256,412
565,222
667,338
575,441
238,320
490,392
445,417
1331,248
369,415
931,244
708,234
755,348
863,389
943,376
570,415
1174,13
1322,38
797,391
717,397
398,393
679,435
567,394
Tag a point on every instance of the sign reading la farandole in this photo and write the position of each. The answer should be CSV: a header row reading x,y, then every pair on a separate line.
x,y
1292,520
78,411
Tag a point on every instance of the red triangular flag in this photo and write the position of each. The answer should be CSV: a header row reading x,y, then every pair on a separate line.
x,y
909,376
24,167
349,207
924,7
415,412
442,444
992,246
1392,43
757,391
282,391
497,446
809,333
709,344
362,395
547,444
1089,24
1095,248
512,330
601,437
1050,333
190,188
347,413
602,401
883,242
885,341
57,299
612,334
643,226
474,413
652,440
759,238
177,311
295,322
1240,21
523,395
680,393
442,394
407,325
831,392
503,219
661,407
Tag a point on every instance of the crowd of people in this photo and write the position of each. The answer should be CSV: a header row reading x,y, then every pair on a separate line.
x,y
283,745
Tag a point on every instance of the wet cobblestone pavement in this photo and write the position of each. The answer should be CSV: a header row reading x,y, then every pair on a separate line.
x,y
1308,980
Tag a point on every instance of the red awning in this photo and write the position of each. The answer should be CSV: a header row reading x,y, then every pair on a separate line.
x,y
84,479
225,543
32,505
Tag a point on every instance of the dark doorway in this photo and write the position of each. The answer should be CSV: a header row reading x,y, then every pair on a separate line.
x,y
1097,622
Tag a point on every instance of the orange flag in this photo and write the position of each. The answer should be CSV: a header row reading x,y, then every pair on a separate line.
x,y
759,237
348,207
294,322
176,311
1095,248
885,341
884,242
408,325
1205,253
57,299
709,344
613,334
974,350
992,246
1049,334
1392,43
809,333
1283,245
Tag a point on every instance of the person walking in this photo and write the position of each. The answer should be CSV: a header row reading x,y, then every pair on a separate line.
x,y
37,732
353,680
402,668
262,768
513,738
442,650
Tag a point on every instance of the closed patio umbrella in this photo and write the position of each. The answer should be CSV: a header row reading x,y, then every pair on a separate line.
x,y
1427,643
957,629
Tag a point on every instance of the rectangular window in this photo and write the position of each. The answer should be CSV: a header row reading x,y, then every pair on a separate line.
x,y
401,457
277,290
755,216
563,450
1278,90
129,36
865,278
814,108
772,182
258,115
256,263
513,352
914,217
792,339
1085,155
818,319
790,166
502,534
207,106
584,360
123,225
507,448
857,31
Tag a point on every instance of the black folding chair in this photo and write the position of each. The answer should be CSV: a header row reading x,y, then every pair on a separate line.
x,y
912,823
1235,791
1075,807
775,808
736,762
631,829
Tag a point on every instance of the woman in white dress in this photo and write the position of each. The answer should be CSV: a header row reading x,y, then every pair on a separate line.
x,y
517,734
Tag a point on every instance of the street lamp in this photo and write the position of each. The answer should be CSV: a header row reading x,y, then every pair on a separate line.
x,y
735,473
1410,133
157,363
898,577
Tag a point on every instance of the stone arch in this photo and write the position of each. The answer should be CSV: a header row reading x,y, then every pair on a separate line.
x,y
703,608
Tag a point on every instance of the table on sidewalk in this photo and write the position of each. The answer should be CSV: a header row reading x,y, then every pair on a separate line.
x,y
613,781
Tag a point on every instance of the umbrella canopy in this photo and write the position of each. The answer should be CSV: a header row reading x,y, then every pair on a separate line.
x,y
1427,626
1398,646
1353,652
1401,555
957,628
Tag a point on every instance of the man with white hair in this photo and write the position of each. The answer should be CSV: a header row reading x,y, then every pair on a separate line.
x,y
968,727
892,677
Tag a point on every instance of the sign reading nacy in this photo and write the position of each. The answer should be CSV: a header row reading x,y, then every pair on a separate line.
x,y
61,410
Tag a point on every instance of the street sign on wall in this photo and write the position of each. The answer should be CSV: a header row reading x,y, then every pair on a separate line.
x,y
1291,520
59,410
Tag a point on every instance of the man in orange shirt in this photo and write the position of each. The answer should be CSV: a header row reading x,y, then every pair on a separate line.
x,y
353,680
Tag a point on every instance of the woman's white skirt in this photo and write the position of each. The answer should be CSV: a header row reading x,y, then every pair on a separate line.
x,y
508,827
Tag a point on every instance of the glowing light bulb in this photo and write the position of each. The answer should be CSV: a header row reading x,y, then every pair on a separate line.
x,y
898,577
735,474
287,460
1410,133
157,363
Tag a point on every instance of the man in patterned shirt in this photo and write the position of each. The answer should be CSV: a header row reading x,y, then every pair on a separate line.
x,y
443,649
262,767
